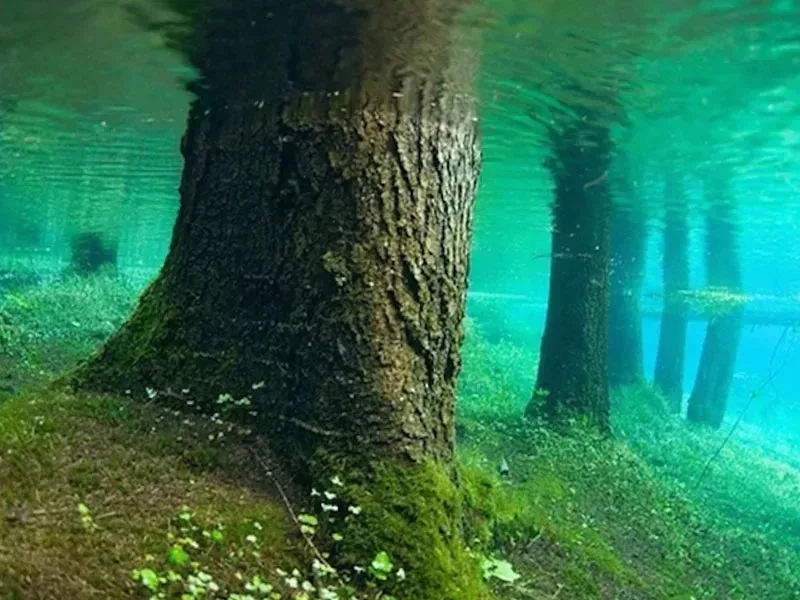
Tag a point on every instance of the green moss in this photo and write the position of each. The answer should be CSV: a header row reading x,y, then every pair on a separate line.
x,y
134,466
417,514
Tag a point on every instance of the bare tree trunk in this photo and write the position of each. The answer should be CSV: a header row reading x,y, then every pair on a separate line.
x,y
572,382
674,318
628,248
709,398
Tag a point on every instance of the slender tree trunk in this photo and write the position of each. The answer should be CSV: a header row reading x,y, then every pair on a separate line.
x,y
628,247
708,401
91,252
674,318
572,381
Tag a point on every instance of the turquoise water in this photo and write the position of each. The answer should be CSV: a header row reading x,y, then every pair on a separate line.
x,y
93,107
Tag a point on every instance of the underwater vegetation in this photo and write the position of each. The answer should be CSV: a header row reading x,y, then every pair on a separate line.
x,y
304,402
108,496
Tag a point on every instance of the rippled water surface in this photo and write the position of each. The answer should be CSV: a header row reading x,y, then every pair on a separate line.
x,y
92,107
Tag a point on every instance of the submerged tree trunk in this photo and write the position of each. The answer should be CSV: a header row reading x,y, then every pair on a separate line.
x,y
322,240
91,252
668,377
628,247
708,401
572,381
319,260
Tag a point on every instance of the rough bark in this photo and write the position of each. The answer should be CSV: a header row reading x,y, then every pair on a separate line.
x,y
91,252
708,401
668,377
628,247
572,381
322,239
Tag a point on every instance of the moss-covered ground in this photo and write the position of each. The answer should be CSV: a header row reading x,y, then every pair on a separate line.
x,y
94,490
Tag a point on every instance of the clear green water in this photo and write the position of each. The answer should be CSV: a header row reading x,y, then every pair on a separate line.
x,y
92,109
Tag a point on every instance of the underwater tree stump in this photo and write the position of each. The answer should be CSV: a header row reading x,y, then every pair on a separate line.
x,y
91,252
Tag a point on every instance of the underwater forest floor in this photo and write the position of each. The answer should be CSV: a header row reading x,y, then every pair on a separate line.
x,y
106,497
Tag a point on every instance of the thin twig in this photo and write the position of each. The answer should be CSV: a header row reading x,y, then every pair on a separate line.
x,y
293,516
753,395
312,428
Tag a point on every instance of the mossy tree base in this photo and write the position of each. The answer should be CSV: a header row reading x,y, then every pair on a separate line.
x,y
417,514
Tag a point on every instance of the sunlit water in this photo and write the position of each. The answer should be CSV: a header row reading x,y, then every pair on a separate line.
x,y
92,109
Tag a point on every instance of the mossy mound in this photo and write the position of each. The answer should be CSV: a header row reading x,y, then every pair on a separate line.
x,y
419,515
92,487
105,498
46,330
587,517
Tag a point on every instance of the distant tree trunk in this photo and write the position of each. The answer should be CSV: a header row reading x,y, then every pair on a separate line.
x,y
668,376
321,247
708,401
628,247
572,381
91,252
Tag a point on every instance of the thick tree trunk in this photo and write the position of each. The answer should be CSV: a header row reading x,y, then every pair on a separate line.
x,y
322,240
91,252
628,247
708,401
572,381
668,377
321,247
